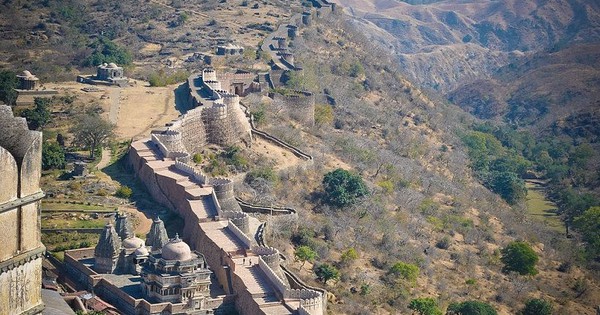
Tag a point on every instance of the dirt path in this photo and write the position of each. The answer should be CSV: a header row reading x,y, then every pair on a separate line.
x,y
105,160
115,105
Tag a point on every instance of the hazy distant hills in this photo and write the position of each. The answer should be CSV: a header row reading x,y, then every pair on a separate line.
x,y
528,62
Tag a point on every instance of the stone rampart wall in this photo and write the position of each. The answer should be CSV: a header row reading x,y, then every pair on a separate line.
x,y
196,174
277,283
248,242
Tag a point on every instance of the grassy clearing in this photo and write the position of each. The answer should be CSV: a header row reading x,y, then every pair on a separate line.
x,y
73,223
70,205
541,208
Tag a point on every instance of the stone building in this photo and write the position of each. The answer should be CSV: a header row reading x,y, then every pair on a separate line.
x,y
21,251
109,72
106,253
176,275
157,237
27,81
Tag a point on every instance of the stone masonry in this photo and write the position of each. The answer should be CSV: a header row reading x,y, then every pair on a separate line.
x,y
21,251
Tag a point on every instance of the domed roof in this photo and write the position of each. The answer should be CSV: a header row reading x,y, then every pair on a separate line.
x,y
26,73
176,249
112,65
141,251
132,242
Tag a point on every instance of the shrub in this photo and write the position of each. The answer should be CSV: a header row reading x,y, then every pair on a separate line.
x,y
124,192
444,243
53,156
323,114
537,307
343,188
425,306
471,308
405,271
519,257
266,173
197,158
304,254
326,272
349,256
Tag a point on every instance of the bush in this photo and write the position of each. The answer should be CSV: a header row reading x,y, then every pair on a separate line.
x,y
537,307
349,256
342,188
405,271
519,257
326,272
53,156
304,254
124,192
471,308
444,243
197,158
323,114
425,306
39,116
266,173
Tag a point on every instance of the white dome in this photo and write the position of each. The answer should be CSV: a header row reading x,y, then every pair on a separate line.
x,y
112,65
176,249
26,73
133,242
141,251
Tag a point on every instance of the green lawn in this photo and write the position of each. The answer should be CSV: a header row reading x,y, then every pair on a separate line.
x,y
541,208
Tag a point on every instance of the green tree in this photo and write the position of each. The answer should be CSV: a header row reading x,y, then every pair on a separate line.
x,y
323,114
326,272
349,256
304,254
8,84
537,307
343,188
107,51
470,308
425,306
405,271
92,131
38,116
509,186
588,224
53,156
519,257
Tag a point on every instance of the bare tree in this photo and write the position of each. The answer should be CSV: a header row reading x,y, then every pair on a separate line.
x,y
92,131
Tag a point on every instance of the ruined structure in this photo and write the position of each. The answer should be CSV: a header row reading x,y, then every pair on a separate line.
x,y
21,251
299,105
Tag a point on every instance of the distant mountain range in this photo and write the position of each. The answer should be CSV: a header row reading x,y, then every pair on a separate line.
x,y
530,63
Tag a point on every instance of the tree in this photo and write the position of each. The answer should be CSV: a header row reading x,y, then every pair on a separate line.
x,y
519,257
405,271
107,51
8,84
349,255
425,306
39,116
342,188
588,224
326,272
304,254
470,308
53,156
537,307
92,131
509,186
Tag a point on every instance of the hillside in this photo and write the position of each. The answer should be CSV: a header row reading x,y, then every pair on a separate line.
x,y
389,123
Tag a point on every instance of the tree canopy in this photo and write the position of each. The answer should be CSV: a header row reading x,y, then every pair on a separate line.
x,y
519,257
326,272
92,131
8,84
425,306
588,224
537,307
342,188
405,271
38,116
53,156
304,254
107,51
470,308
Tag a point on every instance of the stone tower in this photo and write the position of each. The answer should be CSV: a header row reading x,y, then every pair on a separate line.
x,y
157,237
106,253
123,226
21,250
